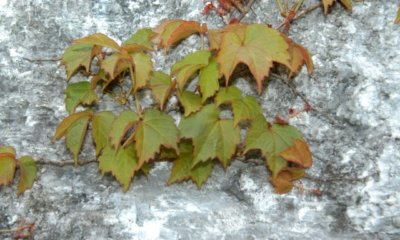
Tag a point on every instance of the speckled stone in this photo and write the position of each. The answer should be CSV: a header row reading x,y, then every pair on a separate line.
x,y
354,132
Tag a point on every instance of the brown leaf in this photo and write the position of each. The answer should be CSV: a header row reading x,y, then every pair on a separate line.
x,y
298,153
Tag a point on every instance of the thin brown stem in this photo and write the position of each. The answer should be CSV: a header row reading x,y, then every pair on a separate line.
x,y
62,163
306,11
42,60
246,9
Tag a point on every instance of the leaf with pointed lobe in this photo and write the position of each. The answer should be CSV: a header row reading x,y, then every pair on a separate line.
x,y
121,162
101,127
161,86
283,183
78,55
189,65
143,68
7,151
183,170
27,171
211,136
79,93
156,129
271,140
228,95
75,136
120,126
98,39
208,80
190,101
299,56
67,123
170,32
258,46
141,38
328,3
298,153
7,169
116,63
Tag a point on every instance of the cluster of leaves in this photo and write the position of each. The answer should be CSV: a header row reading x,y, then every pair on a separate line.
x,y
129,141
9,164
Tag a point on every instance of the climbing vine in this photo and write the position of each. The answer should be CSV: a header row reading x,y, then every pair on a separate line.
x,y
217,122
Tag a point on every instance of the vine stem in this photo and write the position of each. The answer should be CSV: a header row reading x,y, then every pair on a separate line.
x,y
42,161
135,94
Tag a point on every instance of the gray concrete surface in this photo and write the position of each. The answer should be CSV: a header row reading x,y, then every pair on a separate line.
x,y
353,135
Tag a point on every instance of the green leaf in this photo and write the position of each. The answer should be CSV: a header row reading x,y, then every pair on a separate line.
x,y
7,169
67,123
27,171
121,162
155,130
141,37
244,108
228,95
212,137
189,65
397,21
100,40
271,140
190,101
258,46
208,80
182,167
125,121
161,86
143,68
78,55
76,135
101,127
79,93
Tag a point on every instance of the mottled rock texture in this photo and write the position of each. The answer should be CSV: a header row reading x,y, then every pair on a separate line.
x,y
353,134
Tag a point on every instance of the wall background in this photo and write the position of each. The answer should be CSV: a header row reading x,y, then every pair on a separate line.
x,y
354,134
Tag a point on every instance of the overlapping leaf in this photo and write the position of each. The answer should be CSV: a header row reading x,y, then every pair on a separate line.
x,y
101,128
141,38
79,93
298,153
27,171
116,63
328,3
8,165
143,68
156,129
185,68
244,108
183,167
258,46
298,57
78,55
161,86
212,137
170,32
120,126
283,183
190,101
271,140
121,162
208,80
98,39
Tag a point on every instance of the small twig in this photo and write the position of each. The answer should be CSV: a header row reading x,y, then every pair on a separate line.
x,y
42,60
246,10
338,179
306,11
62,163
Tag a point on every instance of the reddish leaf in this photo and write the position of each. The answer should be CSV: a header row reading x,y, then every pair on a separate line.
x,y
299,56
98,39
170,32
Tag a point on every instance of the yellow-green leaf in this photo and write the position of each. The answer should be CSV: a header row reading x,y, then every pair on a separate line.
x,y
397,21
258,46
142,38
182,167
143,68
208,80
228,95
67,122
190,101
116,63
101,127
27,171
76,135
98,39
185,68
78,55
161,86
7,170
120,126
212,137
156,129
7,151
271,140
121,162
79,93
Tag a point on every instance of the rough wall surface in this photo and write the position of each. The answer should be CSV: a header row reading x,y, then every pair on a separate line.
x,y
353,134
